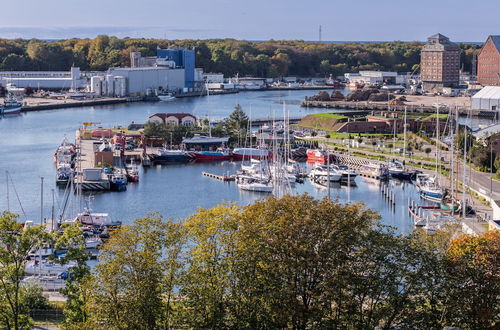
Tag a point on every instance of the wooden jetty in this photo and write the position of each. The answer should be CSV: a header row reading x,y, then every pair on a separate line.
x,y
225,178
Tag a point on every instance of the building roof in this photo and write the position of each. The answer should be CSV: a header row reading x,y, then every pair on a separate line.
x,y
438,36
488,92
496,42
487,131
201,139
178,115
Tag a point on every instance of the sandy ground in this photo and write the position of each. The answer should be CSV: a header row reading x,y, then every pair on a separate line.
x,y
461,101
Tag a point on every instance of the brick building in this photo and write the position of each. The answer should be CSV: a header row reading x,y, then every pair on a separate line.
x,y
488,62
439,64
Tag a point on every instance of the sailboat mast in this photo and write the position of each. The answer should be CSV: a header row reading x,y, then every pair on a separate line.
x,y
404,136
41,200
452,179
437,140
7,186
464,170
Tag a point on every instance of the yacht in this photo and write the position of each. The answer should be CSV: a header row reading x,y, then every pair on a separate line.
x,y
429,188
171,156
321,172
348,174
378,171
250,153
397,170
46,268
253,183
166,97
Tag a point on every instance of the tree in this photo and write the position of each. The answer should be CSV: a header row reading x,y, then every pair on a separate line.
x,y
427,151
496,164
155,129
16,243
237,125
207,278
474,286
134,282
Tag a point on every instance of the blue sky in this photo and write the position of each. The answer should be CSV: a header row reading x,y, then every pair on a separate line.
x,y
362,20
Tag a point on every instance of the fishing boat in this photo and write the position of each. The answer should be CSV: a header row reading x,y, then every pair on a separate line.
x,y
250,153
171,156
319,156
64,172
10,106
377,171
397,171
132,173
322,172
118,182
217,155
166,97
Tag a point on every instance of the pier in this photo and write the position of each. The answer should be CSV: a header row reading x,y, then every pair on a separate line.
x,y
225,178
85,161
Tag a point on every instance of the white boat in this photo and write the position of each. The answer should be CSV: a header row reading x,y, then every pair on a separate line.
x,y
429,188
253,183
348,174
322,172
256,167
94,219
166,97
378,171
249,153
46,268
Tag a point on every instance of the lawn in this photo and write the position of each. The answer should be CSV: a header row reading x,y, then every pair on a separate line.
x,y
328,115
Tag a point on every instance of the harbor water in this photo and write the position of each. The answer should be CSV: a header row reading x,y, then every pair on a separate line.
x,y
28,142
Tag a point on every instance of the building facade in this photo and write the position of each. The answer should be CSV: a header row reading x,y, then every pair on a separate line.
x,y
176,119
488,62
439,64
183,58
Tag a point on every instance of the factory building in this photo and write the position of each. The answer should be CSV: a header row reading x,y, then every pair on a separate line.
x,y
183,58
51,80
137,81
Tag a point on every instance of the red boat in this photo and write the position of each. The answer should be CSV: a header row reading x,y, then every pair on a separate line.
x,y
318,156
250,153
211,155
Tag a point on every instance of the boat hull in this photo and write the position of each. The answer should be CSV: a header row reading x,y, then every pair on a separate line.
x,y
10,111
166,159
211,156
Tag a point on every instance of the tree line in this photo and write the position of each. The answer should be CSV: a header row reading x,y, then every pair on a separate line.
x,y
295,263
229,56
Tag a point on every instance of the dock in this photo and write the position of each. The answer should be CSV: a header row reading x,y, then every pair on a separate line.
x,y
225,178
86,160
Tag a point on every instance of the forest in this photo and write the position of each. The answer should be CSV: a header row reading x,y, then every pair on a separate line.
x,y
290,263
229,56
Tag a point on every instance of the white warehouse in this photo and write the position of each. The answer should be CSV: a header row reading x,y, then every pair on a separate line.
x,y
44,79
139,80
487,98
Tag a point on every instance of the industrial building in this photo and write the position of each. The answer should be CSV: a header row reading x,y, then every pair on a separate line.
x,y
488,62
376,78
487,98
439,64
48,80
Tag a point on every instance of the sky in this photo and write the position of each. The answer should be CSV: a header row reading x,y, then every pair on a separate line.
x,y
359,20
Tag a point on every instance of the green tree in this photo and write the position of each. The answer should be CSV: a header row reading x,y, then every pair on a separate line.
x,y
237,125
155,129
134,282
16,243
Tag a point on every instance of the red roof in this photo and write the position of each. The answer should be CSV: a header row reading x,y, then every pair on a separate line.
x,y
178,115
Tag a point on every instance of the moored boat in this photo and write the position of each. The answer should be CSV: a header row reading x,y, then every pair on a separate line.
x,y
323,172
10,106
319,156
377,171
397,170
250,153
219,154
171,156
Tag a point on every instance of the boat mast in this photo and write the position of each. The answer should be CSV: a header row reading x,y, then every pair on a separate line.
x,y
41,200
437,140
7,186
452,179
465,171
404,136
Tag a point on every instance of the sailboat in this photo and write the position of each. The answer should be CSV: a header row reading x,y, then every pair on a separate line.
x,y
428,186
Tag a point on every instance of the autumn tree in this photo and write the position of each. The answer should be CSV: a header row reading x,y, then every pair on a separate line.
x,y
16,243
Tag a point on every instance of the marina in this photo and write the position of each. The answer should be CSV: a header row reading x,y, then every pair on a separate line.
x,y
174,190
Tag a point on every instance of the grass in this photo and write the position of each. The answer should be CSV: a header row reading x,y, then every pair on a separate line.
x,y
329,115
434,116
